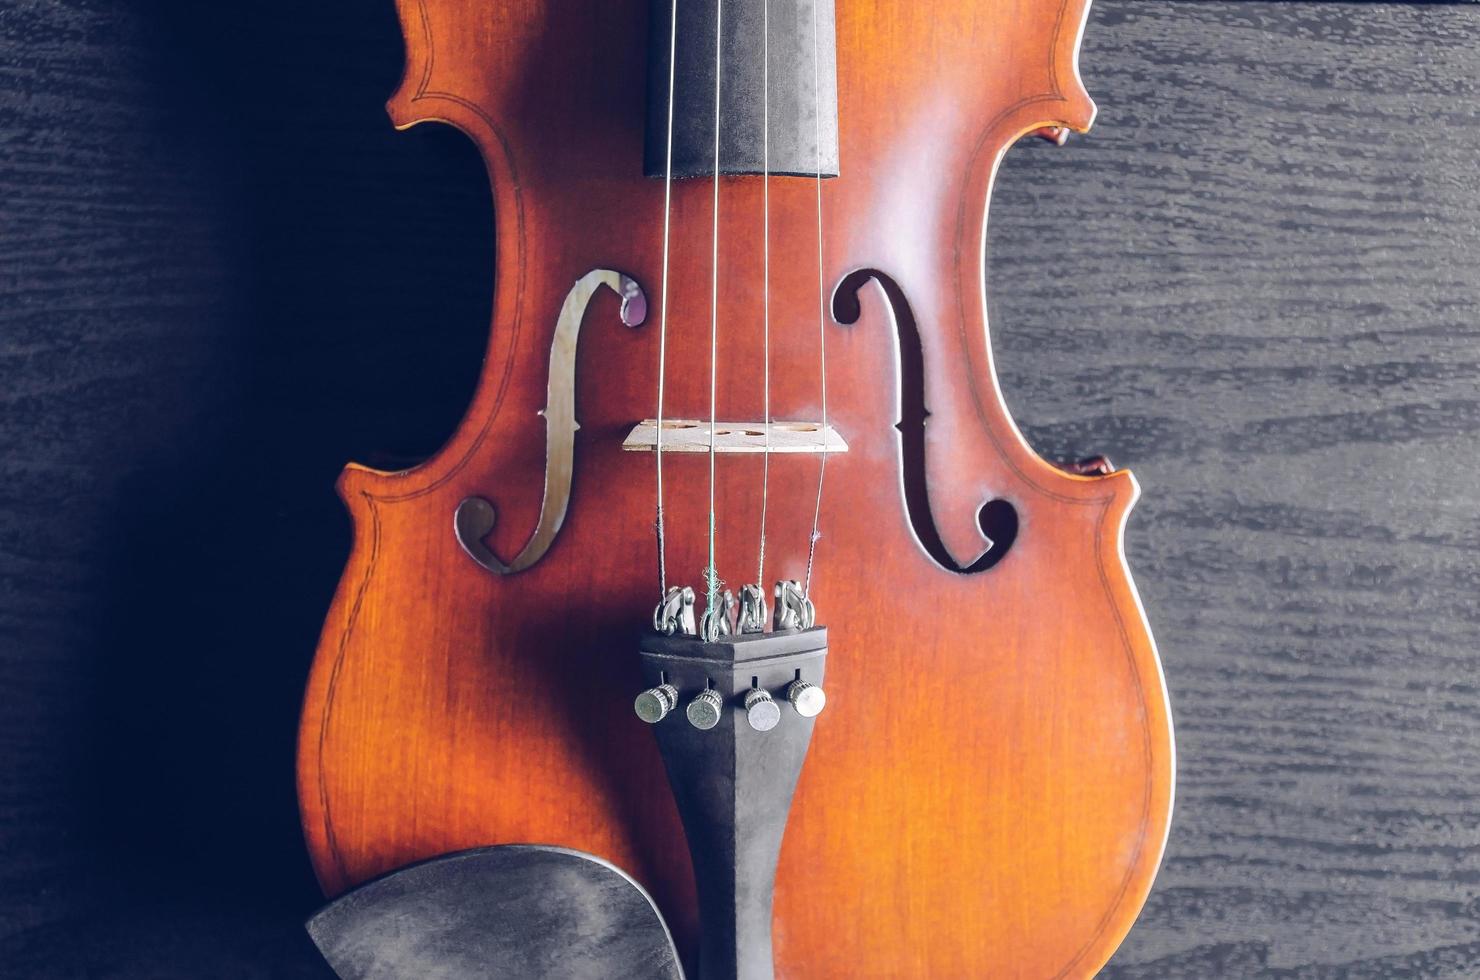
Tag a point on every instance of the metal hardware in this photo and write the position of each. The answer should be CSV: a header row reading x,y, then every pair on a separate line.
x,y
761,710
653,705
720,622
729,612
807,698
706,709
794,611
752,610
475,516
675,614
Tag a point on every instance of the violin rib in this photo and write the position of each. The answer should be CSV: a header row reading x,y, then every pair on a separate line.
x,y
991,787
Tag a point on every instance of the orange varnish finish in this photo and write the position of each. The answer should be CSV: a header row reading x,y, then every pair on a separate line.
x,y
989,790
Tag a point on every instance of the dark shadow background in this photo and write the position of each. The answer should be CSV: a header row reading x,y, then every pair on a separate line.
x,y
222,275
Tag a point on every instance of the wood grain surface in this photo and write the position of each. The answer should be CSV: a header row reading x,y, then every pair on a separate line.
x,y
222,276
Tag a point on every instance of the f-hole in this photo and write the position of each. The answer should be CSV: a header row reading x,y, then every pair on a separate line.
x,y
997,518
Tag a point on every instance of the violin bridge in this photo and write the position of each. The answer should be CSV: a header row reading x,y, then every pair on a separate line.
x,y
692,436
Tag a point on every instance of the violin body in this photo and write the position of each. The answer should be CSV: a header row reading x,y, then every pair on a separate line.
x,y
991,788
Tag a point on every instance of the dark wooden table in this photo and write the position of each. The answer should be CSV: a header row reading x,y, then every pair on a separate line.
x,y
222,275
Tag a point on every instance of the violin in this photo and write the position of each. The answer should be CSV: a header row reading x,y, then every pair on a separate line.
x,y
739,387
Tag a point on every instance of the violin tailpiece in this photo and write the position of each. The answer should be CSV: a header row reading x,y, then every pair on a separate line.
x,y
733,756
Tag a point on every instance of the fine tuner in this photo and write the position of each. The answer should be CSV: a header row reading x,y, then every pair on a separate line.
x,y
706,709
724,615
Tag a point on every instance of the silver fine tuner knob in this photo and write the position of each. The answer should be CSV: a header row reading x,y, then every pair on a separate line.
x,y
704,711
761,710
807,698
653,705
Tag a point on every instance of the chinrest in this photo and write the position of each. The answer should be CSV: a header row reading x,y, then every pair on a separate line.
x,y
518,911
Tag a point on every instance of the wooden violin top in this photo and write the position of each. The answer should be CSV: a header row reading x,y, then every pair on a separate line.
x,y
990,789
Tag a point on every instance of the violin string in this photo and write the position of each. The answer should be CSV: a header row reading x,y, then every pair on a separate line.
x,y
821,301
760,574
711,574
663,305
